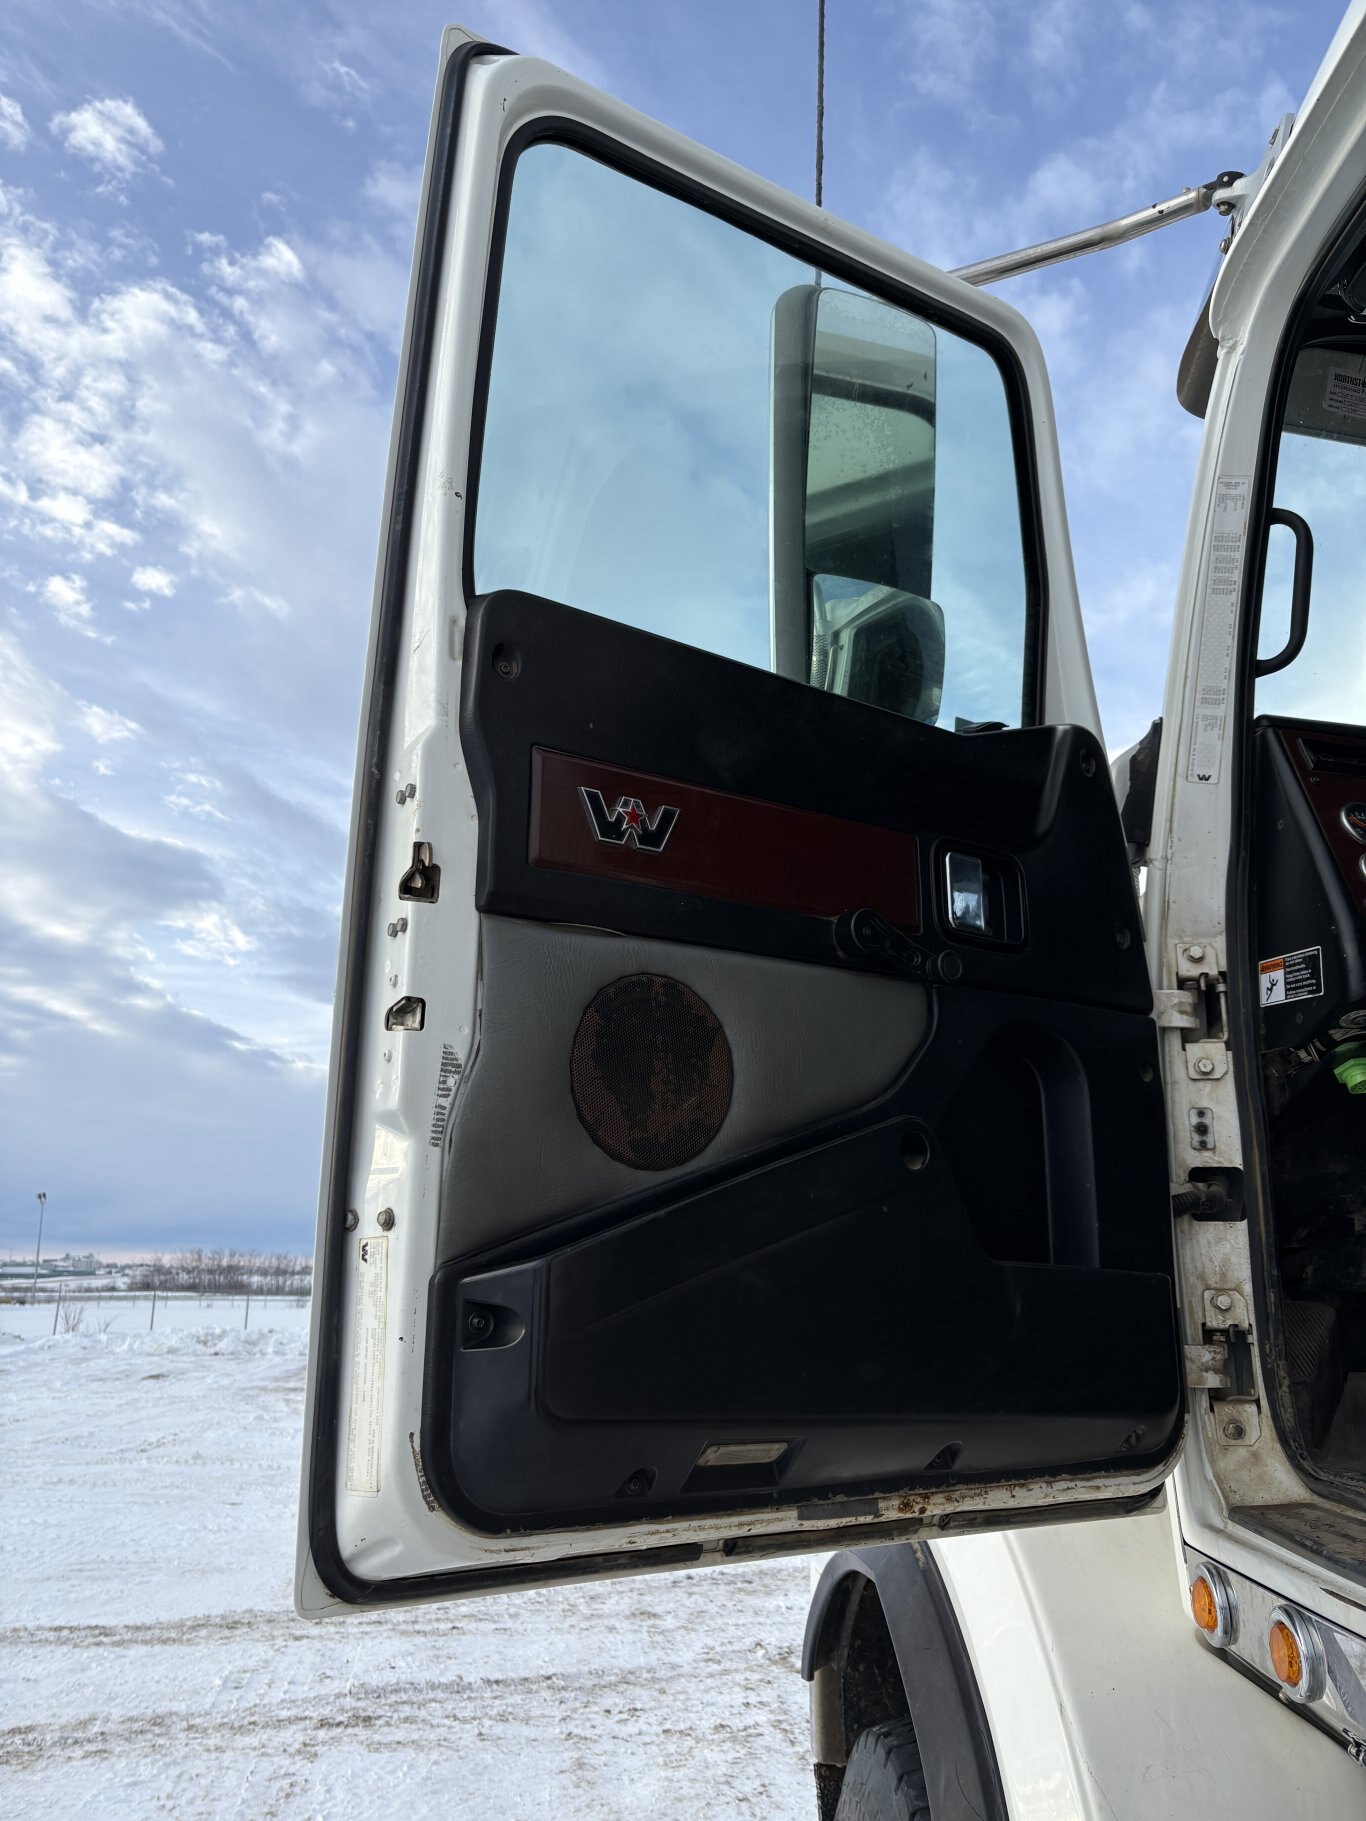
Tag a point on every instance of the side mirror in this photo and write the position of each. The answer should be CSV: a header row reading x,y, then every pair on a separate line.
x,y
882,647
852,501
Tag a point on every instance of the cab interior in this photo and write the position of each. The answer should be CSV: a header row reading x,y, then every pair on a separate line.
x,y
1307,875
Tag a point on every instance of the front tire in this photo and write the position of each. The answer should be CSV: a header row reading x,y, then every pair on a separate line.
x,y
884,1779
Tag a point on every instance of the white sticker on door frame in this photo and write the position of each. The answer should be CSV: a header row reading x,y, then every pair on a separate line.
x,y
1217,624
1346,392
365,1420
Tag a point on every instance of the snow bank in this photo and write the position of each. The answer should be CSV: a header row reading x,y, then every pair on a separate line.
x,y
154,1666
206,1342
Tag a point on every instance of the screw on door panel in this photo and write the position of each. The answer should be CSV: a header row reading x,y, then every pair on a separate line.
x,y
385,1218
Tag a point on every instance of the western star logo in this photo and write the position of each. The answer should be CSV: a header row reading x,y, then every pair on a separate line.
x,y
629,821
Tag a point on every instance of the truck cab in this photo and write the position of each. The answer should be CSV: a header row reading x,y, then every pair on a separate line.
x,y
786,1096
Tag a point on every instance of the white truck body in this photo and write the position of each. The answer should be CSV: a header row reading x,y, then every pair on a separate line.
x,y
1099,1694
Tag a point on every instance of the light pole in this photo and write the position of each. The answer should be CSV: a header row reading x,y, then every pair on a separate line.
x,y
38,1249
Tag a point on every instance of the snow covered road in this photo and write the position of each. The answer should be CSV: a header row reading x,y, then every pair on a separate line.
x,y
153,1665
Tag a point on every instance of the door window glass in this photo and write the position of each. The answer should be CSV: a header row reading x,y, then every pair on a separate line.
x,y
688,431
1321,476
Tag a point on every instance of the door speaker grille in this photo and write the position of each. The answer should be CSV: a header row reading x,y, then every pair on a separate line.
x,y
650,1072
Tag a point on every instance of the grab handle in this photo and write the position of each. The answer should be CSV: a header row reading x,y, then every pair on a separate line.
x,y
1299,591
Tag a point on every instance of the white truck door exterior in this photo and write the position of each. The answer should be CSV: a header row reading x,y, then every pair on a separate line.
x,y
725,1062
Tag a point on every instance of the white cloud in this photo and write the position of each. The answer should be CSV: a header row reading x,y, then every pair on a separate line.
x,y
274,260
54,450
346,78
30,707
152,580
273,604
396,190
191,806
67,597
105,725
14,129
1055,32
35,306
113,135
948,46
212,936
261,290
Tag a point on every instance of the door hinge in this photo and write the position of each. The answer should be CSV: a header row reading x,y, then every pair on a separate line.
x,y
1176,1009
1222,1364
1197,1007
1207,1366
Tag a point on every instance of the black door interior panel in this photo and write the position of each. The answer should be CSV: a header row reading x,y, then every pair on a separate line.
x,y
837,1297
826,1322
538,675
945,1261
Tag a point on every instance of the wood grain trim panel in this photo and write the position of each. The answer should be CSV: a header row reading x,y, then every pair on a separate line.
x,y
721,845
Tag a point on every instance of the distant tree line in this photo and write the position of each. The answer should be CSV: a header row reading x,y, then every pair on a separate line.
x,y
203,1271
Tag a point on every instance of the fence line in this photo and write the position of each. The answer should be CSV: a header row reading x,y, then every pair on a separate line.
x,y
69,1307
21,1294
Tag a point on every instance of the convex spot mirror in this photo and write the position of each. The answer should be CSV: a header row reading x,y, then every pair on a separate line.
x,y
853,481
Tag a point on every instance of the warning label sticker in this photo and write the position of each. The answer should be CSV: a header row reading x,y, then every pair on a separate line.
x,y
1287,977
367,1367
1346,392
447,1075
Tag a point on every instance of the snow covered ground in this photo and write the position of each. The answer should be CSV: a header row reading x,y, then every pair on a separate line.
x,y
153,1664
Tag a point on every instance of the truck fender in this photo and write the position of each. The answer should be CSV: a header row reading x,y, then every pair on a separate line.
x,y
882,1642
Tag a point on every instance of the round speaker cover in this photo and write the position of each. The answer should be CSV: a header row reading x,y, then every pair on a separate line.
x,y
650,1072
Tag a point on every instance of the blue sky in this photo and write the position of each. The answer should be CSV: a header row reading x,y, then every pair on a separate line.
x,y
205,219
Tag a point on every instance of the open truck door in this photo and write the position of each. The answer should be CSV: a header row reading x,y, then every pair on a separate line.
x,y
744,1132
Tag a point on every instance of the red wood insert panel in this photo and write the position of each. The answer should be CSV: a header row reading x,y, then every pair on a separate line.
x,y
715,845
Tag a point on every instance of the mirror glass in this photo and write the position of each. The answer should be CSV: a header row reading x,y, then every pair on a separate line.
x,y
854,396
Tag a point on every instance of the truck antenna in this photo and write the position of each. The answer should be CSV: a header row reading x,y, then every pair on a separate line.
x,y
820,101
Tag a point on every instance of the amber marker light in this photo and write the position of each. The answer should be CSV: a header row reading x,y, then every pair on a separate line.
x,y
1296,1654
1212,1606
1285,1655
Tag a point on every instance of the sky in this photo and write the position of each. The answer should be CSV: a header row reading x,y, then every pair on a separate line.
x,y
206,215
